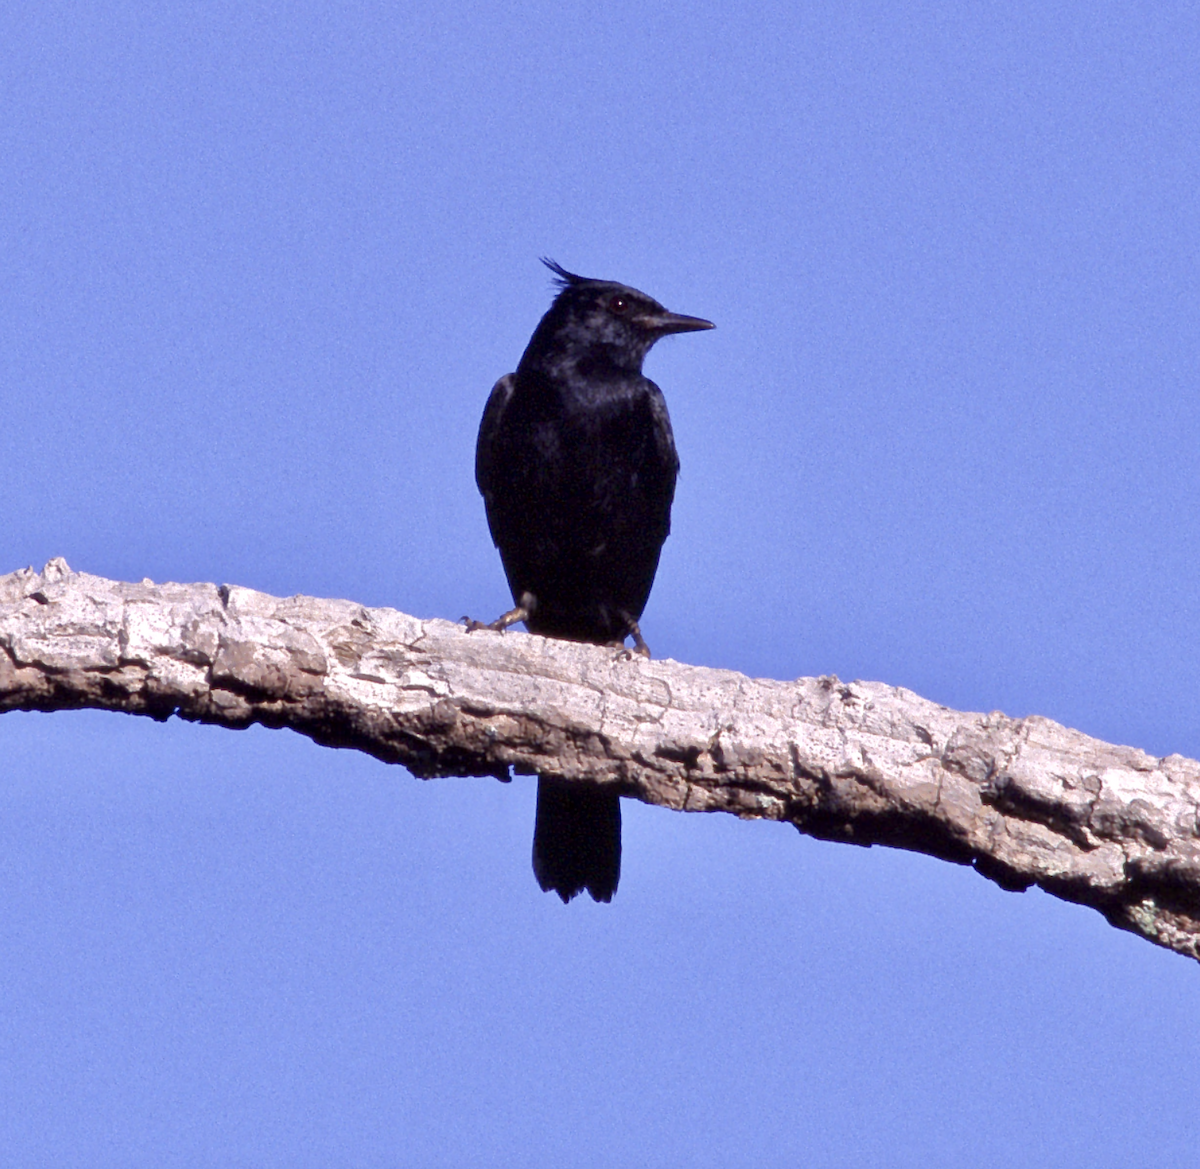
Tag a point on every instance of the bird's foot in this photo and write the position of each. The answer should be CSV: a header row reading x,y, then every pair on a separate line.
x,y
521,612
625,654
639,643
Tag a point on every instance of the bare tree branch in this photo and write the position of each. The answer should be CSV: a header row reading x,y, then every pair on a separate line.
x,y
1025,801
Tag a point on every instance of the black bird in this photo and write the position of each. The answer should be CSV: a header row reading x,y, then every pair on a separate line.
x,y
576,464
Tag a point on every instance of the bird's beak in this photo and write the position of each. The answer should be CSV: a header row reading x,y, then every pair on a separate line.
x,y
665,322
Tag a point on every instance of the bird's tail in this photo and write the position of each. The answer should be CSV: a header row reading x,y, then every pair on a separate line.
x,y
577,839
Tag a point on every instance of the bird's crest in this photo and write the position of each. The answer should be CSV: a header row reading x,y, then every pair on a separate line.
x,y
563,278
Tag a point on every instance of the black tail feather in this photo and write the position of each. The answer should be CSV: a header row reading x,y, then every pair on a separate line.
x,y
577,839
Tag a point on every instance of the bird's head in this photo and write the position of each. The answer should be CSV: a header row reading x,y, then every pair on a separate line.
x,y
605,322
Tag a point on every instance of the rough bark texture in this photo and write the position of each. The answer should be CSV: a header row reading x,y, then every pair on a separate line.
x,y
1025,801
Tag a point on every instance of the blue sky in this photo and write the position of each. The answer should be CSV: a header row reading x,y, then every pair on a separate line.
x,y
262,265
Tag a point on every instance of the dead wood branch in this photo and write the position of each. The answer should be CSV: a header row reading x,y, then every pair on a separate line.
x,y
1025,801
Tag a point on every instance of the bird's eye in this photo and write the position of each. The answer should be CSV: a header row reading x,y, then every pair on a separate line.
x,y
618,305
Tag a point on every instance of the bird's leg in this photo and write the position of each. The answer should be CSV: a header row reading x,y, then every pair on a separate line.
x,y
522,612
639,642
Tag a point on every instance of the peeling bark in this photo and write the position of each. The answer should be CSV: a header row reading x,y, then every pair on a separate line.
x,y
1025,801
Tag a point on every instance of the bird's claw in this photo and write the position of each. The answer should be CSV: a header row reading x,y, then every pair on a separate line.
x,y
639,642
520,613
625,654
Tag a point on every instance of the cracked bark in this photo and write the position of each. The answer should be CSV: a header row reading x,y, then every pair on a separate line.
x,y
1025,801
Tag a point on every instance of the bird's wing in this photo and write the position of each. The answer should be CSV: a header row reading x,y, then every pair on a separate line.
x,y
485,444
664,439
